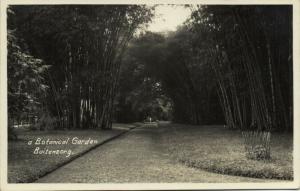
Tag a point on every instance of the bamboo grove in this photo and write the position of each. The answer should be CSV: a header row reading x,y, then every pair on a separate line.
x,y
251,51
226,64
83,46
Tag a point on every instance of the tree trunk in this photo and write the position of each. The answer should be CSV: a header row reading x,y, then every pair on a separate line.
x,y
257,144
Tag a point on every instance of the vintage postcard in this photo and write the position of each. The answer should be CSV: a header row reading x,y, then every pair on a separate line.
x,y
149,95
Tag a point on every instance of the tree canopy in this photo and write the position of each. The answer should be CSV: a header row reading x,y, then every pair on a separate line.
x,y
85,66
227,63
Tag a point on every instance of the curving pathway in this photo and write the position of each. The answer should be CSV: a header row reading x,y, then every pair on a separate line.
x,y
135,157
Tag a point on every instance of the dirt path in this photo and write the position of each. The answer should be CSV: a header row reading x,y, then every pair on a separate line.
x,y
134,157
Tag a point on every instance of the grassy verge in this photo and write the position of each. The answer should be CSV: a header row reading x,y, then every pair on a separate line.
x,y
219,150
25,166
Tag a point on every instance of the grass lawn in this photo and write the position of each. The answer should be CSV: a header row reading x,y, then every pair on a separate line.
x,y
216,149
24,166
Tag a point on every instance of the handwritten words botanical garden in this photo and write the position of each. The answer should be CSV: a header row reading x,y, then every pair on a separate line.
x,y
48,146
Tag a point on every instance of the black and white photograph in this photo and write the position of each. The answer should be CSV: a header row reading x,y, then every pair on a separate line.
x,y
114,94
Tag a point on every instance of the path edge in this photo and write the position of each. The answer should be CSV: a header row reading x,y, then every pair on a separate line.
x,y
78,155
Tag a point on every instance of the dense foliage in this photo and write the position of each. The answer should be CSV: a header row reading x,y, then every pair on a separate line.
x,y
235,60
164,67
251,54
227,64
84,46
140,88
252,57
26,85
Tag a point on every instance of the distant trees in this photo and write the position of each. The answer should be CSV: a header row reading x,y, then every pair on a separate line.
x,y
140,90
84,46
189,81
164,69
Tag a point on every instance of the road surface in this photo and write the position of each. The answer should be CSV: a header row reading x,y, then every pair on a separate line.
x,y
136,157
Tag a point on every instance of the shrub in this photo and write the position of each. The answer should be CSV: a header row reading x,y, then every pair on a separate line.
x,y
46,122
